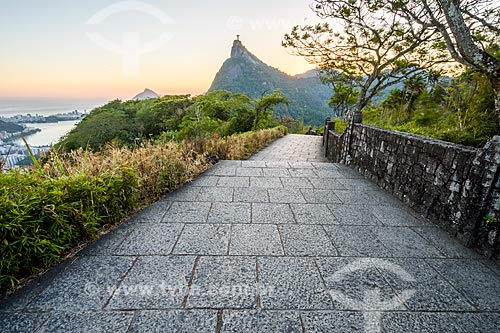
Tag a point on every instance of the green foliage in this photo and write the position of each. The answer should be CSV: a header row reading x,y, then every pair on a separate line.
x,y
376,47
113,122
459,111
489,220
307,95
340,125
41,218
264,107
46,211
292,126
175,117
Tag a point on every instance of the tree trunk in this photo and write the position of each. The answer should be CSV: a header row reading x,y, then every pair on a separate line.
x,y
476,57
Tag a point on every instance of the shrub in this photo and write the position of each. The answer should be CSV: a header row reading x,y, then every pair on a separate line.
x,y
63,201
41,218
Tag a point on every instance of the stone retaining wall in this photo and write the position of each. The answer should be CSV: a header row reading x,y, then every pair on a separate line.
x,y
454,186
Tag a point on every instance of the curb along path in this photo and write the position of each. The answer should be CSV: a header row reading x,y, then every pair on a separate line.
x,y
283,242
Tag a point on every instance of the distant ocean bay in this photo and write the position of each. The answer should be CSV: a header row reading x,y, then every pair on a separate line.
x,y
50,132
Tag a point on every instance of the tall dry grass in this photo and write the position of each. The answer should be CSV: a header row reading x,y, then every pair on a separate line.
x,y
64,200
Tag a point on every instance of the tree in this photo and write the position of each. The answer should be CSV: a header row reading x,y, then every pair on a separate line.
x,y
468,28
413,88
264,107
377,43
168,113
95,131
345,91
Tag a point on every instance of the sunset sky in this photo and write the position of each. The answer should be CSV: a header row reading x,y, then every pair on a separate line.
x,y
75,48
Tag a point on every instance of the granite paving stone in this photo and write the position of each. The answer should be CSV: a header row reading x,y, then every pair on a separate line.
x,y
332,321
86,285
261,321
205,181
493,265
356,197
327,183
229,163
265,182
302,173
296,183
272,213
233,182
404,242
250,195
356,241
220,170
19,300
224,282
110,241
380,197
277,164
306,240
328,173
395,216
255,239
253,164
432,292
291,284
348,172
473,279
358,184
444,322
153,213
249,172
178,321
313,214
354,214
155,282
185,193
99,322
216,194
21,322
150,239
421,322
286,196
230,212
352,281
301,165
450,247
329,166
187,212
203,239
276,172
282,242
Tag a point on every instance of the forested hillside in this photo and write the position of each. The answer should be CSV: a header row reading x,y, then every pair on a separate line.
x,y
173,117
244,73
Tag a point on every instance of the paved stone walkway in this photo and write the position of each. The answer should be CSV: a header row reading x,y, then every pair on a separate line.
x,y
278,243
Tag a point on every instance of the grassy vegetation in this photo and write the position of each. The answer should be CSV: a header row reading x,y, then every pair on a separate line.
x,y
458,110
65,200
